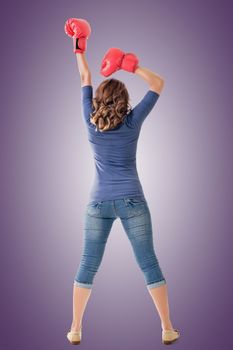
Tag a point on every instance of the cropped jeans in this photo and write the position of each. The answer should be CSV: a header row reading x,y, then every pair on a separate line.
x,y
136,220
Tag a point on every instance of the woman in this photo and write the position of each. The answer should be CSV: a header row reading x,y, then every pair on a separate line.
x,y
113,130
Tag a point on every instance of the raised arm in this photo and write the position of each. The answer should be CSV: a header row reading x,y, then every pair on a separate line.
x,y
155,81
79,29
115,59
85,74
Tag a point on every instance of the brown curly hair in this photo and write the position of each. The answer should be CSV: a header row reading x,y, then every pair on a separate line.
x,y
111,104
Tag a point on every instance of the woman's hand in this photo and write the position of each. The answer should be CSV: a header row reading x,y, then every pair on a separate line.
x,y
79,29
116,59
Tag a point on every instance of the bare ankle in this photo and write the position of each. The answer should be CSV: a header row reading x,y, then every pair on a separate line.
x,y
75,326
167,325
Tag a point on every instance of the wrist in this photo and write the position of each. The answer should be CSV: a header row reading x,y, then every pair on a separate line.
x,y
137,69
79,45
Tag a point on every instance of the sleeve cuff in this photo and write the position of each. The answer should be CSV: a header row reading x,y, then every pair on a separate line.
x,y
87,91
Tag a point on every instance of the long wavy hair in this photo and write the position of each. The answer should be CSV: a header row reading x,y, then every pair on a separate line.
x,y
111,105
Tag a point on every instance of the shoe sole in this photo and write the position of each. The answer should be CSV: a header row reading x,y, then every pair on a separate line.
x,y
167,342
75,342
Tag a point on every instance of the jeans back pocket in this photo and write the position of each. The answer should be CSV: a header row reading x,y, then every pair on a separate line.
x,y
94,208
136,206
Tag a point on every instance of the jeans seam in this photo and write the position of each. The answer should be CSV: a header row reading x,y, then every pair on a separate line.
x,y
114,207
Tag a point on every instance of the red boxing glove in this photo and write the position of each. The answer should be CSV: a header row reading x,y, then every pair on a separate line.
x,y
116,59
129,62
111,61
79,29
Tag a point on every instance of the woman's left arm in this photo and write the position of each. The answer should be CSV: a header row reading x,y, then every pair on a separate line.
x,y
85,74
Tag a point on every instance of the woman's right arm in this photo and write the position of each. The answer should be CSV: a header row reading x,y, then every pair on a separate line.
x,y
156,82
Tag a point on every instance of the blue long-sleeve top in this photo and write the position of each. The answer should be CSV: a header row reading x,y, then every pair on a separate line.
x,y
114,150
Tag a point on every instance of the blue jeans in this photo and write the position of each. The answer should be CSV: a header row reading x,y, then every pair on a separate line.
x,y
136,220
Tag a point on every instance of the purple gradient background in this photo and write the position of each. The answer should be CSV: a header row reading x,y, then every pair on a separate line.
x,y
184,163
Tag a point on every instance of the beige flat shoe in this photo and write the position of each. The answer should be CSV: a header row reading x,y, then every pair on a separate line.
x,y
74,337
169,336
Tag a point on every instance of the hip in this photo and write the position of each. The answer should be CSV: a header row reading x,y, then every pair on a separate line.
x,y
125,207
